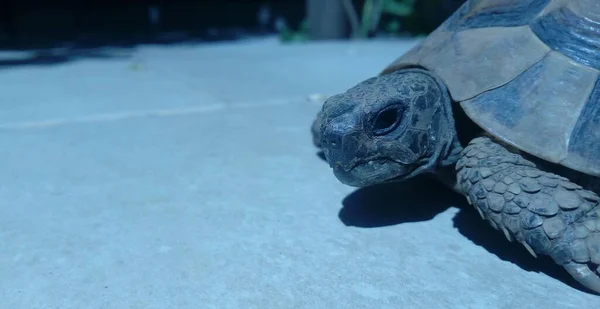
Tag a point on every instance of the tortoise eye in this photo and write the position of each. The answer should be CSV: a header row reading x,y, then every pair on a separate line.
x,y
387,119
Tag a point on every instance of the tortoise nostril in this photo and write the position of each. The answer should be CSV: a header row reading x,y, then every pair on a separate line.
x,y
332,140
334,131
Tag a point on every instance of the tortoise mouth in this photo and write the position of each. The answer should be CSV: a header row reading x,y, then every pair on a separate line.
x,y
371,172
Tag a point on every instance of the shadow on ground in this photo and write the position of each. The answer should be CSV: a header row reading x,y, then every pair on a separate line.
x,y
57,52
421,199
52,57
395,203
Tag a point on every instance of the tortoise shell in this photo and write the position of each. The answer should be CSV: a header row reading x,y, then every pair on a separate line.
x,y
526,71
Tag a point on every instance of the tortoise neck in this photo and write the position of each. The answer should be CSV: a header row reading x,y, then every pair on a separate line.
x,y
448,142
452,153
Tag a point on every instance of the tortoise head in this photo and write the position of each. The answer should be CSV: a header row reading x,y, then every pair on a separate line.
x,y
389,127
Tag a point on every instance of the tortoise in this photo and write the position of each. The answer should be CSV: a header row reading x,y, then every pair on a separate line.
x,y
501,103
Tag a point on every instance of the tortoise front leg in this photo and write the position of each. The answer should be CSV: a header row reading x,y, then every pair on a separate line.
x,y
545,212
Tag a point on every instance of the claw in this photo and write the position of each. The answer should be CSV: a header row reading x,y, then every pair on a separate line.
x,y
507,234
584,275
480,212
528,247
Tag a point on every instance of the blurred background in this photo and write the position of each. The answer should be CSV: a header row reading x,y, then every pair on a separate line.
x,y
26,24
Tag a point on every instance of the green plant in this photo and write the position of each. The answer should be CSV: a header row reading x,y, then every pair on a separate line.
x,y
288,35
372,10
363,25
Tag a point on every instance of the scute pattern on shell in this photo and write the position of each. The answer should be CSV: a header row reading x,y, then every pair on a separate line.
x,y
526,71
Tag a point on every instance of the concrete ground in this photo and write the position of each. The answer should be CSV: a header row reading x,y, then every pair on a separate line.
x,y
184,177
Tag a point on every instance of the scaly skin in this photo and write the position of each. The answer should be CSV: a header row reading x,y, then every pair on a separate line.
x,y
547,213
